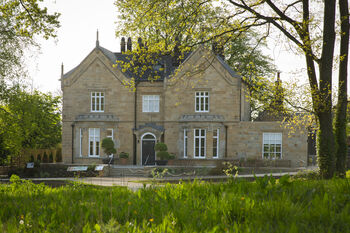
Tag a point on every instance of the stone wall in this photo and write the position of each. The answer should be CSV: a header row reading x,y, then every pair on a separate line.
x,y
228,112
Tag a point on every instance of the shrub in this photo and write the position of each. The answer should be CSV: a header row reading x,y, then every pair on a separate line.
x,y
162,151
31,160
160,146
108,146
124,155
45,158
348,174
172,156
51,157
38,158
91,167
37,163
163,155
58,155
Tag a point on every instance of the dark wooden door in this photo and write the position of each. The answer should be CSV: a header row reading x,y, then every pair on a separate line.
x,y
148,153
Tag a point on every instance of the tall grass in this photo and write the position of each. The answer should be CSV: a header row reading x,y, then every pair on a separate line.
x,y
266,205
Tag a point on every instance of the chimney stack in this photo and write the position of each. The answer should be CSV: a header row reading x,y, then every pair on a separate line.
x,y
122,45
97,41
62,70
176,57
129,44
139,41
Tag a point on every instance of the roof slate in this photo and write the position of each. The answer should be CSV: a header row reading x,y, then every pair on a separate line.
x,y
164,61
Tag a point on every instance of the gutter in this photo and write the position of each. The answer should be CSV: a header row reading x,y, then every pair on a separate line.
x,y
226,140
72,142
135,125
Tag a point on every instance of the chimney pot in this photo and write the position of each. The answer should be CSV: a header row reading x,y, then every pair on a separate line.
x,y
139,41
129,44
122,45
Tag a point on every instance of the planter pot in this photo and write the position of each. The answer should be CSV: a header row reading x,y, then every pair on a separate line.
x,y
123,161
171,162
161,162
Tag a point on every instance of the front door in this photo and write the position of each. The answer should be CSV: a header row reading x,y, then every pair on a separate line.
x,y
148,153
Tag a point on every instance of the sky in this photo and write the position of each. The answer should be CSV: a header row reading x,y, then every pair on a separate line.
x,y
76,38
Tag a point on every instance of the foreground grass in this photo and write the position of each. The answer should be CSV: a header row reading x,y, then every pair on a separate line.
x,y
266,205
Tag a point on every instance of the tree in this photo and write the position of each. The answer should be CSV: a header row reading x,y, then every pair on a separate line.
x,y
108,146
20,22
176,27
28,120
341,114
300,27
297,20
173,28
255,68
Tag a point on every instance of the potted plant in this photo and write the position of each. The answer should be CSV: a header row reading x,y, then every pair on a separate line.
x,y
162,153
171,158
124,158
108,148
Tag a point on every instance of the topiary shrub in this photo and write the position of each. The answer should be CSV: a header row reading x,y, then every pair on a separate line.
x,y
51,157
163,155
162,152
108,146
172,156
124,155
31,160
160,146
38,158
45,158
58,155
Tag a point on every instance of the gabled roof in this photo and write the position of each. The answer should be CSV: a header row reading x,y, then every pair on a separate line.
x,y
227,67
164,68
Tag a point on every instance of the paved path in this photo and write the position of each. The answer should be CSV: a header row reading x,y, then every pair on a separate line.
x,y
135,183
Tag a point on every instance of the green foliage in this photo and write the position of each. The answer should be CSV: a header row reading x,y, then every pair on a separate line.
x,y
58,157
348,174
45,158
160,146
172,156
38,158
21,23
163,155
31,160
266,205
28,120
230,169
177,27
124,155
108,146
51,157
162,151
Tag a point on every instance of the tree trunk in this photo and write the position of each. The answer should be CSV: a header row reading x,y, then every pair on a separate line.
x,y
325,146
340,120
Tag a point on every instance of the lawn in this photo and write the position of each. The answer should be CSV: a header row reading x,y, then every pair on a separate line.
x,y
266,205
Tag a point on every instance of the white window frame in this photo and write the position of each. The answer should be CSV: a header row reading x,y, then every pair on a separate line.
x,y
112,136
94,137
97,102
202,101
272,139
200,146
185,143
80,141
150,103
217,137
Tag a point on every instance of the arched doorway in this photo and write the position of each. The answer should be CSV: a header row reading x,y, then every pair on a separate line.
x,y
148,155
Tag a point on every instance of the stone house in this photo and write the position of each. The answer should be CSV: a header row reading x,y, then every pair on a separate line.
x,y
199,109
